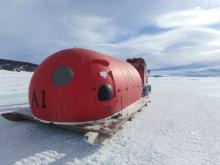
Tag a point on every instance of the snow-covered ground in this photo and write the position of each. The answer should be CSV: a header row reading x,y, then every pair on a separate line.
x,y
13,87
180,126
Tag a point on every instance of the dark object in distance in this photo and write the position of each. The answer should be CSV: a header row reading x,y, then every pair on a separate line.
x,y
157,76
18,66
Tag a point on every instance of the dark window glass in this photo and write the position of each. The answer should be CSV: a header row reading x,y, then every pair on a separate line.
x,y
105,92
62,76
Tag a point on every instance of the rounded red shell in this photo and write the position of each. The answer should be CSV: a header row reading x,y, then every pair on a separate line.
x,y
77,99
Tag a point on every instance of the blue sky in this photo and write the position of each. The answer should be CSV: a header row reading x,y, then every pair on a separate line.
x,y
165,33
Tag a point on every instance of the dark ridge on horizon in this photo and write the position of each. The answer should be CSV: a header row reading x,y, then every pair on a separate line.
x,y
12,65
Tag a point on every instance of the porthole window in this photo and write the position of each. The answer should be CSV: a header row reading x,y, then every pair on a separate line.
x,y
105,92
62,76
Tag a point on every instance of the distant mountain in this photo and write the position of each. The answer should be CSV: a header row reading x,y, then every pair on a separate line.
x,y
11,65
182,67
193,70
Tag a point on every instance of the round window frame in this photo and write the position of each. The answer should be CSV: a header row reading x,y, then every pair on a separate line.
x,y
72,73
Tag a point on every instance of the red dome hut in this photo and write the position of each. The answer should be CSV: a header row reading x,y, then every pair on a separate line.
x,y
80,85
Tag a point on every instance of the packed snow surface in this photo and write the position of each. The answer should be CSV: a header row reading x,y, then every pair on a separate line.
x,y
181,126
14,87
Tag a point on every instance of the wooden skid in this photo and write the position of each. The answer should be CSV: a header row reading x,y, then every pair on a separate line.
x,y
94,133
16,116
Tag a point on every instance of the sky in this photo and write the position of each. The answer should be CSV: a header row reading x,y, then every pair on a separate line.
x,y
165,33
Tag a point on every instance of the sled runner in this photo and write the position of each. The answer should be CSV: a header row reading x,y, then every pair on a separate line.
x,y
95,132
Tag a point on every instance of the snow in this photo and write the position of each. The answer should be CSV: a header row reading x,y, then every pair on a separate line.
x,y
180,126
13,87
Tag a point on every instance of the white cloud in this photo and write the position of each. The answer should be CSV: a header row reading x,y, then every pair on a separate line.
x,y
32,30
189,18
174,47
90,29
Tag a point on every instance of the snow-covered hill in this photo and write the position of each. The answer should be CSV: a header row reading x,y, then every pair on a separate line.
x,y
181,126
201,70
